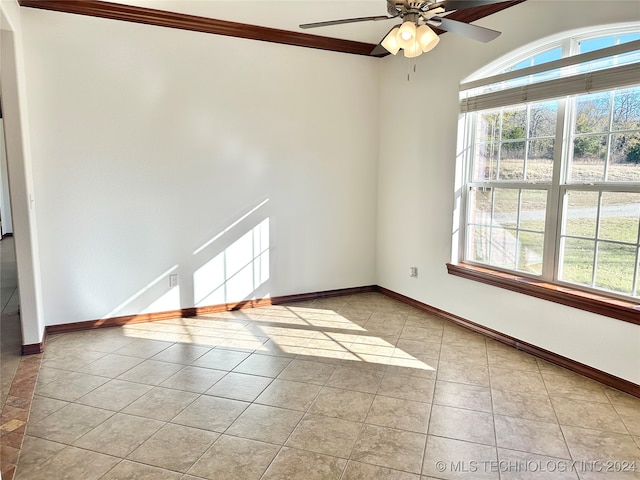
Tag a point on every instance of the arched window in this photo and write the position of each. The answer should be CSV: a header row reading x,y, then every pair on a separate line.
x,y
552,166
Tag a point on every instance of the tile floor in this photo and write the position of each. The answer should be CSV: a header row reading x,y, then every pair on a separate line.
x,y
10,333
353,387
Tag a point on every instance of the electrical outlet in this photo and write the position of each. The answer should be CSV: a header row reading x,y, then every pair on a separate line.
x,y
413,271
173,280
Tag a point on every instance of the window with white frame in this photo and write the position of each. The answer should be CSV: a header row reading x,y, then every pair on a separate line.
x,y
552,180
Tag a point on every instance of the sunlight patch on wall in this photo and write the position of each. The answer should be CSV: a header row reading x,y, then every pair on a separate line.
x,y
167,302
236,272
162,277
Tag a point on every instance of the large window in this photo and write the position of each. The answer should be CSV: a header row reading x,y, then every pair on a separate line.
x,y
552,146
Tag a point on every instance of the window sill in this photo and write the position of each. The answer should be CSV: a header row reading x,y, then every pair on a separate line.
x,y
610,307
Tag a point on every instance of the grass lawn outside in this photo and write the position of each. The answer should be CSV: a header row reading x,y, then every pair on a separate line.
x,y
520,250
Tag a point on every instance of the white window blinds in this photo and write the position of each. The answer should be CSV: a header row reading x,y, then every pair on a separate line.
x,y
573,79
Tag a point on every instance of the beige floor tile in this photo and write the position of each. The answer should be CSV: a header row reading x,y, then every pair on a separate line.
x,y
143,348
174,447
407,387
183,353
227,459
420,350
523,405
378,327
461,424
48,375
400,414
450,459
221,359
517,381
273,347
127,470
456,335
514,465
580,413
387,447
71,387
425,320
286,394
461,395
364,471
617,397
34,452
586,444
151,372
111,365
360,380
307,372
375,360
193,379
474,355
375,340
119,435
114,395
343,404
211,413
74,464
420,334
293,464
500,355
161,403
571,385
469,374
324,344
379,350
42,407
630,417
265,423
590,446
69,423
263,365
413,367
243,344
325,435
239,386
530,436
71,360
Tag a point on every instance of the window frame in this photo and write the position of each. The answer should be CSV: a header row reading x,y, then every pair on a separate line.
x,y
557,188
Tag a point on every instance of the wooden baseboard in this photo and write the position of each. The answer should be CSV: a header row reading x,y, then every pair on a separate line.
x,y
33,348
577,367
194,311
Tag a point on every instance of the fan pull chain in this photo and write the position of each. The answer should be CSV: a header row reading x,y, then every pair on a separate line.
x,y
412,62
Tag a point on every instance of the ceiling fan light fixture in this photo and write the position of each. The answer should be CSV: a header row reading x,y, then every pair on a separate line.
x,y
390,42
427,38
413,51
406,35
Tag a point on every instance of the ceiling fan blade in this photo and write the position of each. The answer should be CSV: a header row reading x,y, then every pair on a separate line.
x,y
345,20
462,4
475,32
379,50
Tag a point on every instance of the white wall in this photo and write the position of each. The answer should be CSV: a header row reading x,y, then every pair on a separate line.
x,y
150,144
19,166
416,191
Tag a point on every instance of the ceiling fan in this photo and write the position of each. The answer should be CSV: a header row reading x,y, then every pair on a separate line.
x,y
414,35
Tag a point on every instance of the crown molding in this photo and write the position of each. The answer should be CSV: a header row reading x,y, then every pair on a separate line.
x,y
163,18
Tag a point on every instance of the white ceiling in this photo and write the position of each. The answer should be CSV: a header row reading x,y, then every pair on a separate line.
x,y
287,14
